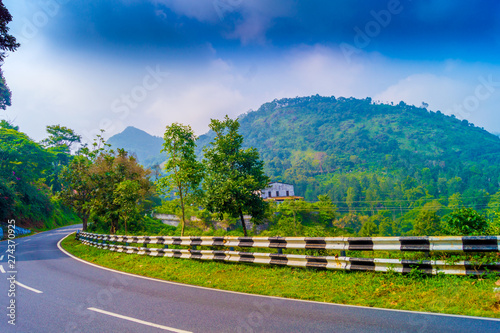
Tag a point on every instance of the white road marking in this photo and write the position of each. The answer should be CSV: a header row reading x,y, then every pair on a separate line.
x,y
1,269
1,257
138,321
29,288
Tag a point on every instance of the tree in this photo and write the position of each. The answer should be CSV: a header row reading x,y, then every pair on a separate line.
x,y
77,186
292,211
7,43
427,223
59,144
104,184
184,172
369,229
24,166
234,176
61,136
126,196
106,174
5,93
327,210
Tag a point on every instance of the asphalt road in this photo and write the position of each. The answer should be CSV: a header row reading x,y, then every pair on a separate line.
x,y
57,293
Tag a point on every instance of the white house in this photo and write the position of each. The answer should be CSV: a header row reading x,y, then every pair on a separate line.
x,y
278,191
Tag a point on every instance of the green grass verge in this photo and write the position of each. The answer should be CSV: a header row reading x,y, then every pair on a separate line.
x,y
441,294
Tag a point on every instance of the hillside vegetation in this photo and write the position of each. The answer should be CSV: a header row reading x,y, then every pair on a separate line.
x,y
375,159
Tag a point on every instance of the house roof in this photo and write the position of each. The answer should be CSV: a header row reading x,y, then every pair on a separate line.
x,y
279,183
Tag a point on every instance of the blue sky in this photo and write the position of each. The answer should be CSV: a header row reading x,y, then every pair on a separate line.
x,y
147,63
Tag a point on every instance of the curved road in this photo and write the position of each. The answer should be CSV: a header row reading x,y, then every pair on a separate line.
x,y
57,293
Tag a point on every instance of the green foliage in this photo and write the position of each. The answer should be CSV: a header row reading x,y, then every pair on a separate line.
x,y
77,189
61,136
233,175
126,196
427,223
7,43
369,229
5,93
22,156
106,175
24,167
466,221
7,200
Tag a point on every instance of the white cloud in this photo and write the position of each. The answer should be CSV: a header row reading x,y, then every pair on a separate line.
x,y
438,91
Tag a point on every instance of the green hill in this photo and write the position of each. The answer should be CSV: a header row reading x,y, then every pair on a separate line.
x,y
146,147
326,145
367,157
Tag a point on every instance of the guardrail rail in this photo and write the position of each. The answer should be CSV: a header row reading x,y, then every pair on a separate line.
x,y
342,262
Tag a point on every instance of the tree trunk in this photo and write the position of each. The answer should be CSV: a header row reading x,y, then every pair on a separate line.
x,y
243,224
84,219
183,222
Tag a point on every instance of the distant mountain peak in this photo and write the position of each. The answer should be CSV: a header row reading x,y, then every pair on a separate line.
x,y
145,146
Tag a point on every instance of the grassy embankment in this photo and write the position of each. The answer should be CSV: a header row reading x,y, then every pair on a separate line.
x,y
443,294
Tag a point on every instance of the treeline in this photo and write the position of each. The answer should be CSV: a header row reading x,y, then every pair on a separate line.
x,y
44,184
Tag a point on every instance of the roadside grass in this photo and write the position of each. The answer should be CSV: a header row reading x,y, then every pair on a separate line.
x,y
460,295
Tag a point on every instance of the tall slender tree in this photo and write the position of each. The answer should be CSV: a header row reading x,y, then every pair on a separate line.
x,y
184,172
234,176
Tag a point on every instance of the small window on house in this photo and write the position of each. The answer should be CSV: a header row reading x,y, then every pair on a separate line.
x,y
287,193
269,194
277,193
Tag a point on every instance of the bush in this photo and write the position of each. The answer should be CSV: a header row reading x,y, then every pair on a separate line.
x,y
466,221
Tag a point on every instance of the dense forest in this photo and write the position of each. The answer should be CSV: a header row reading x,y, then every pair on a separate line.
x,y
30,177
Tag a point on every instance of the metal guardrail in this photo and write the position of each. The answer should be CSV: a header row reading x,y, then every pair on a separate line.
x,y
328,262
424,243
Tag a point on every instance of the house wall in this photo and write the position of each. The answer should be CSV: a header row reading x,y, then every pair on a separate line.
x,y
277,190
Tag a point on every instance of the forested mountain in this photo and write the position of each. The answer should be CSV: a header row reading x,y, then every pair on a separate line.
x,y
146,147
378,161
369,157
